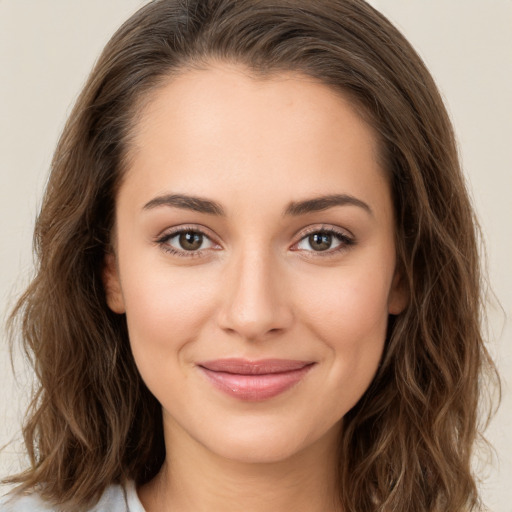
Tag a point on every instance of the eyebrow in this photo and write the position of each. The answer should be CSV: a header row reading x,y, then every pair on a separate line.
x,y
185,202
321,203
294,209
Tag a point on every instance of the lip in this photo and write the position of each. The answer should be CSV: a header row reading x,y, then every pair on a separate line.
x,y
254,380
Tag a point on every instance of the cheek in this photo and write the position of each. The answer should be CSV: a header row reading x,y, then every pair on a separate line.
x,y
352,303
165,311
350,315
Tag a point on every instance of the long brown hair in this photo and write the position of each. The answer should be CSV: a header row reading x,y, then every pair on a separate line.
x,y
407,444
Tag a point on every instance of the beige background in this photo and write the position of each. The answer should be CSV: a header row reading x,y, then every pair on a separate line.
x,y
47,48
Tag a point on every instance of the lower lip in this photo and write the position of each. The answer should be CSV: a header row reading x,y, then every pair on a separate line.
x,y
255,387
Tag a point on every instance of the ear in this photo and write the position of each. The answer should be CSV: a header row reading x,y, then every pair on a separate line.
x,y
112,284
398,295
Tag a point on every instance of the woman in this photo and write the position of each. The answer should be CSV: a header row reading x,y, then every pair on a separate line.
x,y
258,283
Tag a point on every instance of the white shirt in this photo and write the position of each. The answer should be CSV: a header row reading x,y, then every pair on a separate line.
x,y
116,498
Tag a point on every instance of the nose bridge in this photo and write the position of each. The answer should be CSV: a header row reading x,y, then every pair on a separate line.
x,y
255,303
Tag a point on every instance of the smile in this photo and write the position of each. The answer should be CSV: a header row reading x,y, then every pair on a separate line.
x,y
254,380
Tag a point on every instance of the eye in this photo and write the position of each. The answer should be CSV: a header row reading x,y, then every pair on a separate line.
x,y
324,240
186,242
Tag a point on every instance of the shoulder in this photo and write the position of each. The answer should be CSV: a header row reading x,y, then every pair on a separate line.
x,y
14,503
116,498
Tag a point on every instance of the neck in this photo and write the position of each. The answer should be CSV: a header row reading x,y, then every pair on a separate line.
x,y
195,479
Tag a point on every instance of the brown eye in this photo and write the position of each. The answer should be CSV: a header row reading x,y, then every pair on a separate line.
x,y
190,240
328,241
186,242
320,241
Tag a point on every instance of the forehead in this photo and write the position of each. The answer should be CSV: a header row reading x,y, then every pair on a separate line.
x,y
222,128
241,94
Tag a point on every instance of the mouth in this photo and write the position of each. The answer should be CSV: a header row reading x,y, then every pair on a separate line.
x,y
254,380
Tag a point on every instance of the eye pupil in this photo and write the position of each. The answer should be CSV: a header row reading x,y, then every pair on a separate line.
x,y
320,241
191,240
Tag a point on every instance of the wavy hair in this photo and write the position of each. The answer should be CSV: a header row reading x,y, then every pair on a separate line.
x,y
407,444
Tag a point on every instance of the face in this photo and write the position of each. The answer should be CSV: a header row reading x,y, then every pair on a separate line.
x,y
255,260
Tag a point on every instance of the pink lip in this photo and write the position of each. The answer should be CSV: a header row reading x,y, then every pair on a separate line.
x,y
254,380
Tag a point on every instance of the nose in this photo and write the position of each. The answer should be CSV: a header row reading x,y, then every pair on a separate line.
x,y
255,303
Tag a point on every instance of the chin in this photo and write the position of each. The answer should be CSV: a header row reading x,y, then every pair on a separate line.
x,y
260,452
269,444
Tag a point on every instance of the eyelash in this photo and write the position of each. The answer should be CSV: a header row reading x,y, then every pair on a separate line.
x,y
345,241
163,241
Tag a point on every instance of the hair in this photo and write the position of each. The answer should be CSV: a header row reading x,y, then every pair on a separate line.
x,y
407,444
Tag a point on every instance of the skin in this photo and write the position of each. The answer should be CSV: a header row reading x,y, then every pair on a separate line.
x,y
258,287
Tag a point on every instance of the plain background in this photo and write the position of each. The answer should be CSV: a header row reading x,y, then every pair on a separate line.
x,y
47,48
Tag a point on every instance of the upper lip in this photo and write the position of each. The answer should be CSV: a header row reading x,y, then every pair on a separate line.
x,y
259,367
